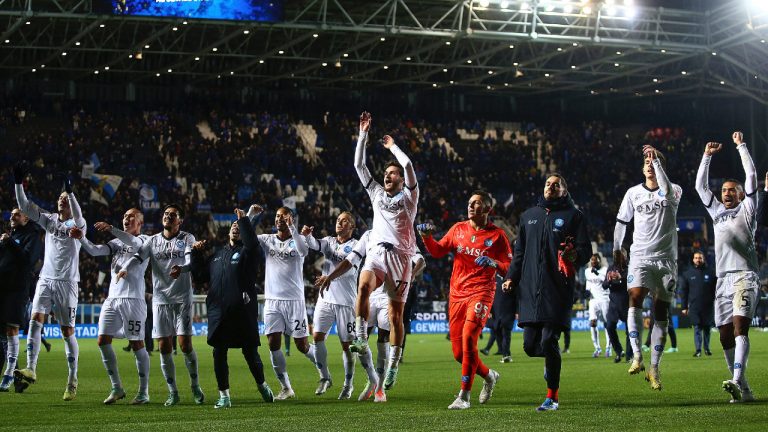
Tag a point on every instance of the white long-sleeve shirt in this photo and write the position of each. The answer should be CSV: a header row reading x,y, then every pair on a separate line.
x,y
283,273
343,290
122,250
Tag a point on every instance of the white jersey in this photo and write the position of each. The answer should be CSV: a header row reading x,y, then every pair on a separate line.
x,y
358,255
164,253
655,216
61,259
594,283
283,279
343,290
735,228
393,216
132,285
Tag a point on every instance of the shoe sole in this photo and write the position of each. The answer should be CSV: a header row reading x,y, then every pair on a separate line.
x,y
112,401
729,388
139,402
21,377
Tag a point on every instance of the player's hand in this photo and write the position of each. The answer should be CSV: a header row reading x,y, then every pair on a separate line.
x,y
508,286
485,261
246,298
365,121
102,226
426,229
200,245
121,274
712,148
75,233
255,210
684,312
388,142
649,151
619,260
5,237
67,183
322,283
19,172
738,138
239,213
766,179
613,275
175,271
307,230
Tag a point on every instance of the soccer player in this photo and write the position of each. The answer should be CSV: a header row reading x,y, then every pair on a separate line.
x,y
697,295
21,249
124,312
170,253
285,311
653,256
618,309
57,288
481,250
594,274
337,303
392,243
736,262
552,243
233,312
378,314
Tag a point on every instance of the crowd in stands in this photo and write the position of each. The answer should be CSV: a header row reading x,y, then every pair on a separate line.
x,y
212,162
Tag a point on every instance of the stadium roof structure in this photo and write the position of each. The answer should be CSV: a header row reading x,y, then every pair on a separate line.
x,y
535,47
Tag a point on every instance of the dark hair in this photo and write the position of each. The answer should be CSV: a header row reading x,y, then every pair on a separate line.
x,y
290,212
178,208
560,176
596,254
487,200
397,165
739,186
698,252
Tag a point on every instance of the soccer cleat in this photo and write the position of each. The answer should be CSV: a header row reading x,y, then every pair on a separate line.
x,y
20,385
608,352
198,395
506,359
597,353
390,378
488,386
223,402
380,396
548,405
285,393
70,392
47,345
359,345
5,385
323,385
708,352
746,396
653,377
140,399
459,404
173,399
484,351
671,350
637,366
697,354
734,389
566,351
266,393
115,395
619,357
346,392
367,392
26,374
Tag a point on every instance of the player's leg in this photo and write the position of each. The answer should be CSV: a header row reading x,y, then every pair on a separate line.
x,y
324,319
367,282
345,321
221,370
163,329
297,313
593,332
396,333
635,327
11,334
476,315
110,322
276,324
382,354
456,318
184,332
615,342
65,305
550,349
256,366
745,287
41,306
505,331
697,339
134,314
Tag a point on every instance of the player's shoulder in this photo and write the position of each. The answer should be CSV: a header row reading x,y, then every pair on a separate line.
x,y
183,235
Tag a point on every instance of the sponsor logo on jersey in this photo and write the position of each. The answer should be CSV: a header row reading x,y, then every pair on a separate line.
x,y
394,206
651,208
532,221
488,243
466,250
559,223
283,254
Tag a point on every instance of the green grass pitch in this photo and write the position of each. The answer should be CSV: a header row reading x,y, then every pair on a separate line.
x,y
596,394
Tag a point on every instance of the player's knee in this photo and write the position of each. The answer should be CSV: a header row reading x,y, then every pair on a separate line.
x,y
593,323
383,336
105,340
318,337
136,345
67,331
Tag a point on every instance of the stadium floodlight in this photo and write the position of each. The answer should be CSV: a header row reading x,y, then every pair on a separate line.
x,y
445,70
484,3
77,43
504,4
345,55
586,10
756,4
549,5
34,70
568,8
525,7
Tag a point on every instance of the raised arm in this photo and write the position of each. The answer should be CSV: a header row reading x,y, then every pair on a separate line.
x,y
301,243
77,213
436,248
702,175
750,183
94,249
129,239
247,235
27,207
403,160
362,170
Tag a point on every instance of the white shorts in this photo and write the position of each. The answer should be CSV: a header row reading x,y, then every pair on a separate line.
x,y
287,317
393,267
59,296
378,310
659,276
598,310
736,294
328,313
123,317
171,320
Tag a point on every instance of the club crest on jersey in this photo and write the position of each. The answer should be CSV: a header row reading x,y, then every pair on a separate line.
x,y
630,278
488,243
235,258
291,244
180,244
347,249
662,194
69,223
559,223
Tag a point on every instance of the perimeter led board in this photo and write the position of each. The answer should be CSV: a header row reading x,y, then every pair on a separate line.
x,y
238,10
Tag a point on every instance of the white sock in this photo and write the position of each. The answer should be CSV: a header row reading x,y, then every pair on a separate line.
x,y
366,359
190,359
169,371
464,395
310,354
224,393
72,351
110,364
142,366
595,337
361,328
635,327
394,356
349,367
740,358
381,358
658,340
321,359
13,354
278,364
33,343
730,353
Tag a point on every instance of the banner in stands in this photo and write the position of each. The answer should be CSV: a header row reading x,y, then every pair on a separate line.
x,y
148,198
